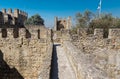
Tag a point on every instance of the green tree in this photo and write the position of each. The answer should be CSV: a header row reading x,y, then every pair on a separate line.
x,y
116,22
35,20
105,22
91,21
84,19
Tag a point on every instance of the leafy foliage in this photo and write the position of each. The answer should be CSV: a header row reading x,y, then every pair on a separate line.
x,y
35,20
84,19
106,21
91,21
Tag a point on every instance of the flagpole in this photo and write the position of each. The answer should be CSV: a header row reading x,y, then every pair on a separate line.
x,y
99,8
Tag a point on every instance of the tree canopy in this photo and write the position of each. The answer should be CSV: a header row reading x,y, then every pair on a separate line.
x,y
91,21
84,19
35,20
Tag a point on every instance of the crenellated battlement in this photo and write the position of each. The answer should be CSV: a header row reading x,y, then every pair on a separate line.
x,y
22,47
25,33
112,33
16,17
15,12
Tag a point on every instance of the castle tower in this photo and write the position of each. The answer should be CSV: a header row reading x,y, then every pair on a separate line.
x,y
64,23
55,23
61,23
4,11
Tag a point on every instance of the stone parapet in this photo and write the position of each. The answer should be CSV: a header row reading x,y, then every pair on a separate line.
x,y
31,33
25,58
114,33
98,33
82,66
45,73
16,17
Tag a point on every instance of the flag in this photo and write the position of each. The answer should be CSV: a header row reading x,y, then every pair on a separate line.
x,y
99,6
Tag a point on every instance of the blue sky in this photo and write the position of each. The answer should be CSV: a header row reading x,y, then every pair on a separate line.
x,y
62,8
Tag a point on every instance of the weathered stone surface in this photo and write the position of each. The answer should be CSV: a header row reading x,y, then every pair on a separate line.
x,y
29,57
83,64
62,24
17,17
114,33
99,55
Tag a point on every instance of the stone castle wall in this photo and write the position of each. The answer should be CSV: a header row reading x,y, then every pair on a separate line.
x,y
113,33
27,56
64,24
82,64
95,57
17,17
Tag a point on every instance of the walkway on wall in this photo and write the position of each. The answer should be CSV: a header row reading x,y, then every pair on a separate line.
x,y
61,68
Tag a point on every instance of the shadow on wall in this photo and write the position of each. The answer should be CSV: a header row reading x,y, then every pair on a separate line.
x,y
28,34
6,72
7,25
54,64
16,33
60,26
4,33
